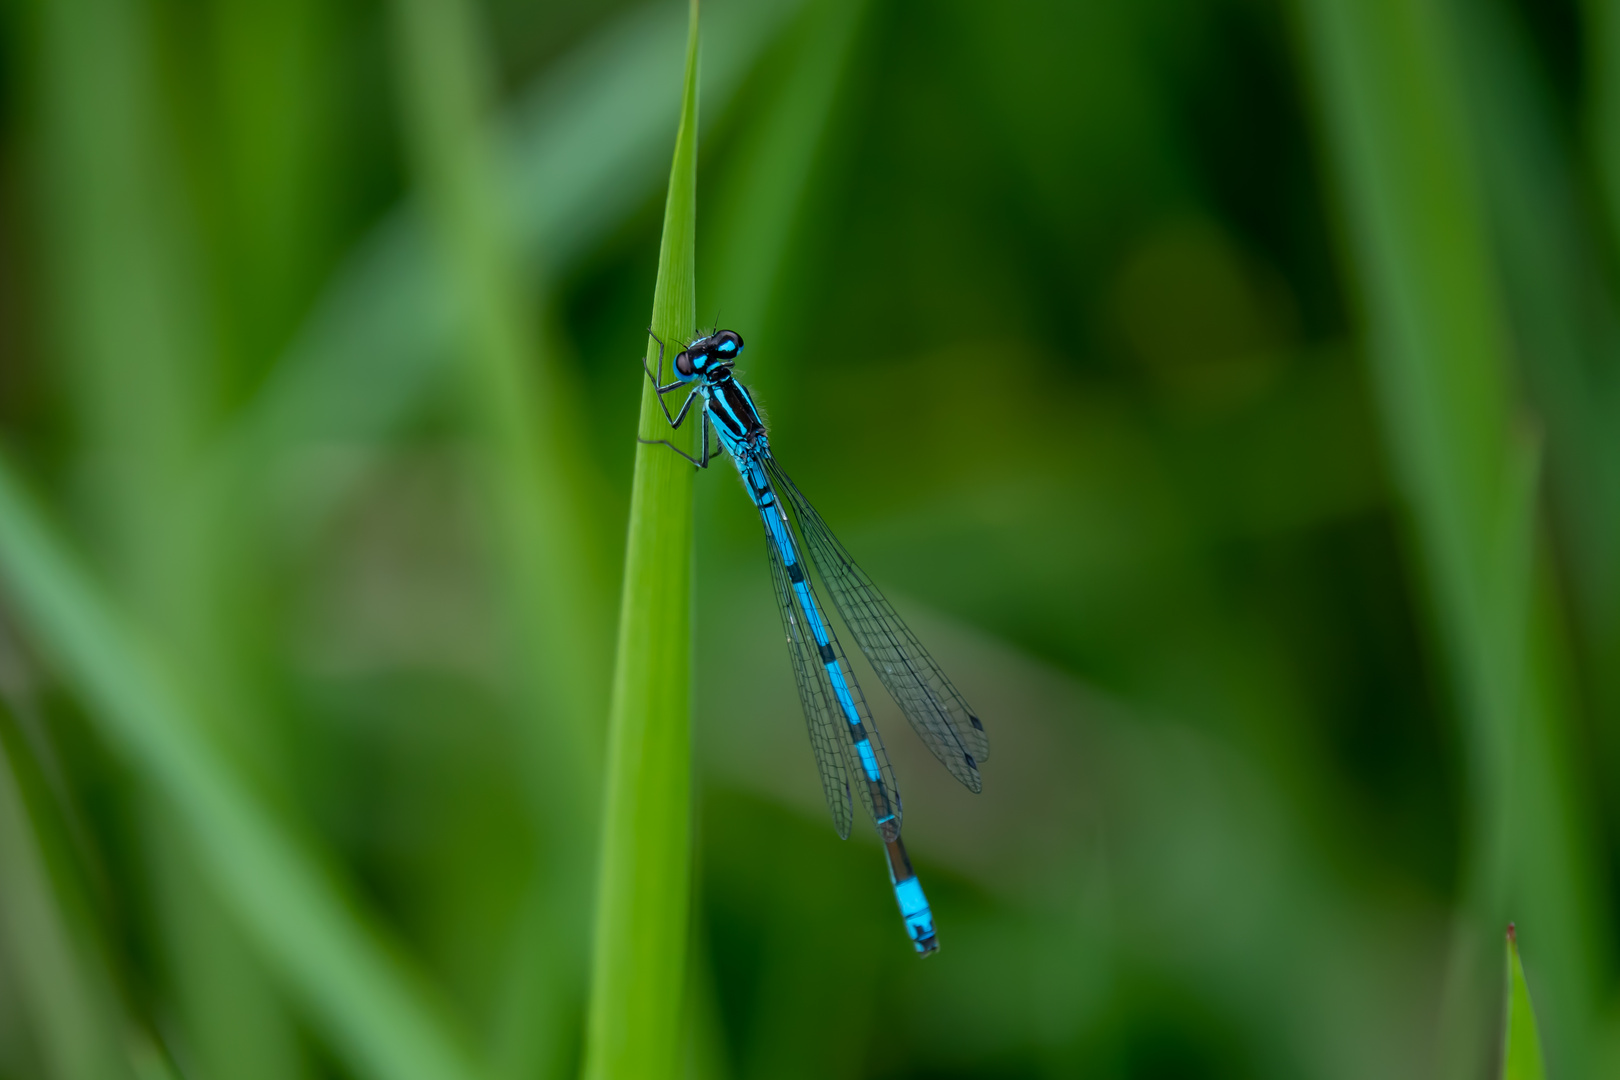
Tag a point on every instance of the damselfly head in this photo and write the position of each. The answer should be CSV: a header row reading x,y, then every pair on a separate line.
x,y
708,354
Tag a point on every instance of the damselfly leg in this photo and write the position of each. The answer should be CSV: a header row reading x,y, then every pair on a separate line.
x,y
679,418
703,462
675,419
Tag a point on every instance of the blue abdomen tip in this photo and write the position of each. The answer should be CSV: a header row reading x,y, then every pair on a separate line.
x,y
918,917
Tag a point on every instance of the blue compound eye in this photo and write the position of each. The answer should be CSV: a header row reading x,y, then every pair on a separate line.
x,y
727,344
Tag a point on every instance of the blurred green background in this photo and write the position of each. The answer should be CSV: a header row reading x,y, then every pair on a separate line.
x,y
1226,392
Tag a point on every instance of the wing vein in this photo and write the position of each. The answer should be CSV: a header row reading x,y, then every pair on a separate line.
x,y
823,724
934,707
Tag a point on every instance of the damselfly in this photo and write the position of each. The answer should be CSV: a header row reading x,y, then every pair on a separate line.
x,y
845,740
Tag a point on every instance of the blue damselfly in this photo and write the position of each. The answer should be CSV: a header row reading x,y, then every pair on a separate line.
x,y
845,740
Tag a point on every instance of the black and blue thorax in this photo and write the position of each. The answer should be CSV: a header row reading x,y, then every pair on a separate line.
x,y
708,362
732,411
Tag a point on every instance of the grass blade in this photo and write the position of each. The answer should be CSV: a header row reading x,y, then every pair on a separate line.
x,y
376,1012
66,993
579,154
524,409
1602,56
135,323
638,971
131,315
1417,239
1521,1042
761,200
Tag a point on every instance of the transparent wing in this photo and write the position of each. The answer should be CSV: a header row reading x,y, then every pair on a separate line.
x,y
821,714
881,798
936,710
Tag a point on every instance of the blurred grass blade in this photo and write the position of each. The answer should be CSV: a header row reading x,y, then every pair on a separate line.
x,y
578,155
135,326
1521,1043
375,1011
1564,323
524,407
130,318
638,970
760,201
66,995
1418,246
1601,39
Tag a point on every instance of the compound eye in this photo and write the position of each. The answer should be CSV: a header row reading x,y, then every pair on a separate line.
x,y
728,344
683,365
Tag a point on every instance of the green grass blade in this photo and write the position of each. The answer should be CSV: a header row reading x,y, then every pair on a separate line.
x,y
523,405
1549,236
523,409
581,151
1417,240
638,971
1521,1042
66,995
135,330
130,318
1602,55
376,1012
761,199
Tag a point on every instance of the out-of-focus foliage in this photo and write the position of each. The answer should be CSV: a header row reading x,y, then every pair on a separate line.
x,y
1225,390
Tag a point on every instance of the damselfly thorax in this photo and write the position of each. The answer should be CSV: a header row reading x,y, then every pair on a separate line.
x,y
735,418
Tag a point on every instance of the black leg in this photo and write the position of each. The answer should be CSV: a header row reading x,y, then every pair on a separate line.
x,y
686,406
679,418
667,387
703,462
674,421
654,379
660,341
